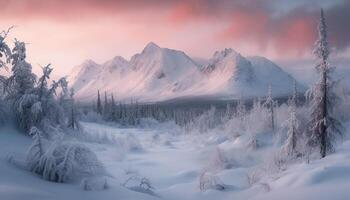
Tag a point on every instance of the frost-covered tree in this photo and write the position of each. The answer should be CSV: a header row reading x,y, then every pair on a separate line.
x,y
72,120
36,150
113,108
49,109
293,100
5,51
5,58
105,105
241,110
20,86
33,102
292,126
323,125
270,104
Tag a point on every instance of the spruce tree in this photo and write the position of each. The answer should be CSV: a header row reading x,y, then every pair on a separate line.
x,y
270,104
5,51
292,125
113,108
99,105
323,126
105,106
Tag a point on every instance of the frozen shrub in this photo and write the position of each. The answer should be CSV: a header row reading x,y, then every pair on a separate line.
x,y
36,150
94,183
218,161
276,162
61,161
139,184
253,176
205,122
209,181
253,143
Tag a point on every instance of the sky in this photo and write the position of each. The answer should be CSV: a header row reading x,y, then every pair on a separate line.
x,y
67,32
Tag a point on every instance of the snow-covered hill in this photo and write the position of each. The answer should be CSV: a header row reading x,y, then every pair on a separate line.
x,y
158,74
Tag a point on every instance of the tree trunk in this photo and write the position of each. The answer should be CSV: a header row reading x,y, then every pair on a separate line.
x,y
323,133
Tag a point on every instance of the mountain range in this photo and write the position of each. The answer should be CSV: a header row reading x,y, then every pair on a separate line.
x,y
158,74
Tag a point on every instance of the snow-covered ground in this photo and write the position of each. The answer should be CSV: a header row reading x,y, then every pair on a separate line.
x,y
174,163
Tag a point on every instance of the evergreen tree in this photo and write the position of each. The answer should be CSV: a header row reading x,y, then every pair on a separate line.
x,y
292,125
323,126
5,51
72,122
241,110
105,106
113,108
270,104
19,87
293,100
99,105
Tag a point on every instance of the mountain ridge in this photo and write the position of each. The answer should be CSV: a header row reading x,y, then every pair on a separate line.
x,y
157,74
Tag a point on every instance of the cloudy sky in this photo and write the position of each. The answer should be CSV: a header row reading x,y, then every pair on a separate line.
x,y
66,32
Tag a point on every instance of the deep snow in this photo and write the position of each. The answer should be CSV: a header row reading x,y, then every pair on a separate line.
x,y
173,163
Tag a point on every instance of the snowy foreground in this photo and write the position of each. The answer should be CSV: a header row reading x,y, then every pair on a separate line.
x,y
173,163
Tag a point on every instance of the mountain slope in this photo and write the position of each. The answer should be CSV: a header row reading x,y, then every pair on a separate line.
x,y
158,74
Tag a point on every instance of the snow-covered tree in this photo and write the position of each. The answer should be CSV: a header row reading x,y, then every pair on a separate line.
x,y
293,100
105,106
113,108
72,120
5,51
292,125
241,110
33,102
36,150
270,104
20,87
324,127
293,134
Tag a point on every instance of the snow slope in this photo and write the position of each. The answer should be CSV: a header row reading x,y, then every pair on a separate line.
x,y
173,164
158,74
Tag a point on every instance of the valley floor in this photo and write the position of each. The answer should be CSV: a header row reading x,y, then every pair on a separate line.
x,y
173,164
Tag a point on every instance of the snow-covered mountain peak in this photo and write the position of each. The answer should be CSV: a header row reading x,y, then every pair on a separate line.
x,y
88,63
117,61
151,47
83,73
225,53
228,62
160,73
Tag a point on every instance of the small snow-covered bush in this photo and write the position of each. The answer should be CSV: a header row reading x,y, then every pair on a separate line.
x,y
209,181
218,161
89,184
61,161
205,122
139,184
253,176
